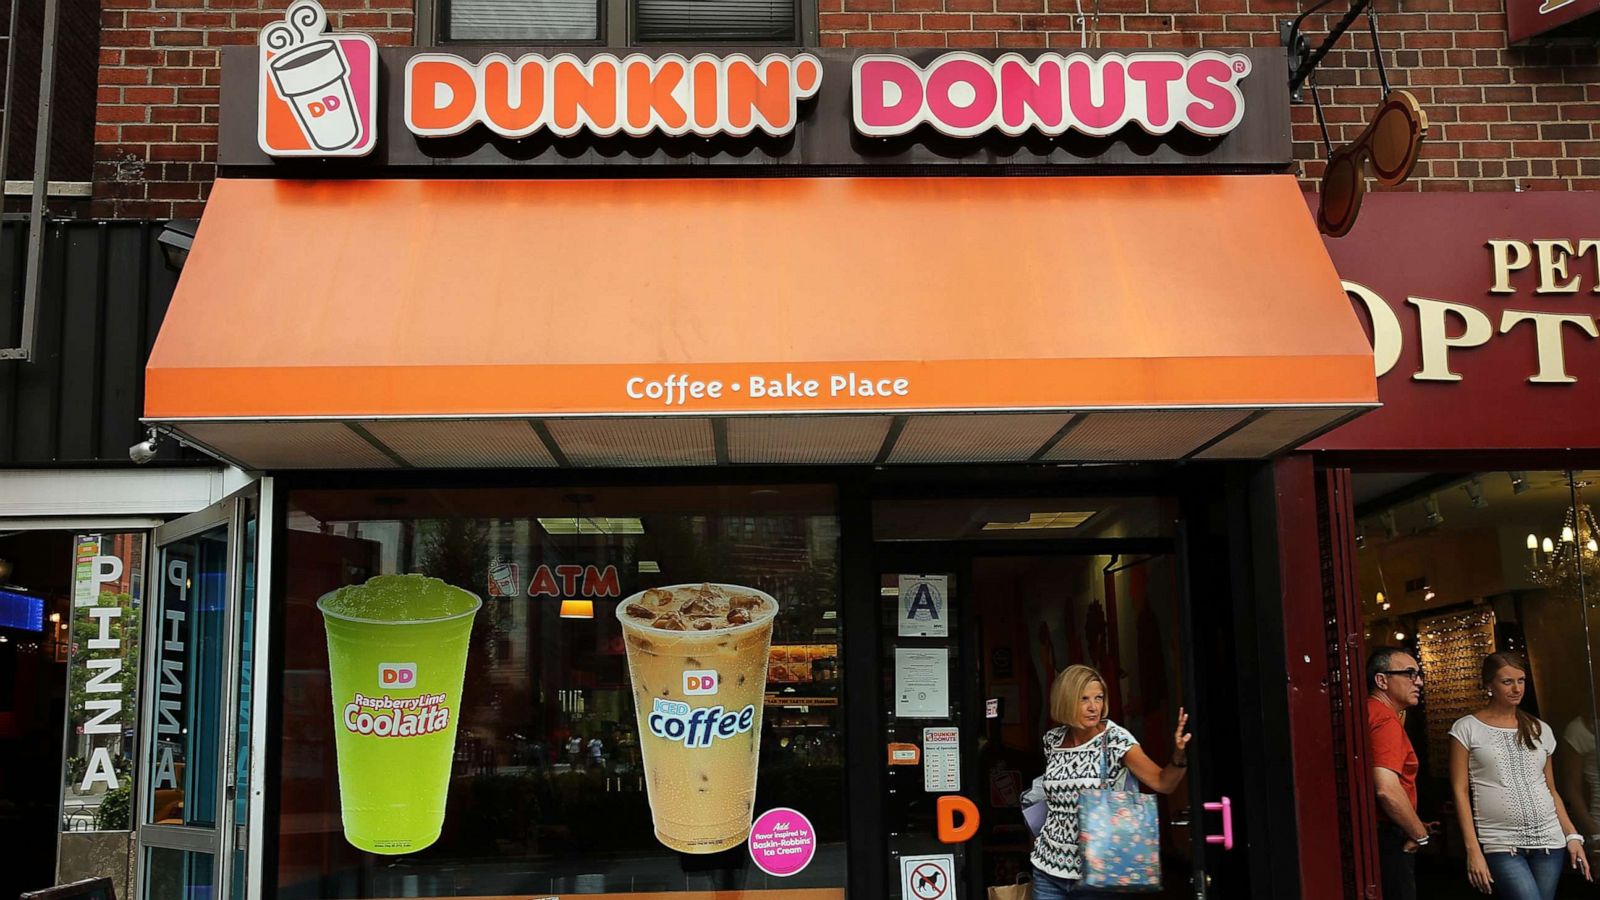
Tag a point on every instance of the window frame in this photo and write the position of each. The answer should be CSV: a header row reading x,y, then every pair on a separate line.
x,y
617,30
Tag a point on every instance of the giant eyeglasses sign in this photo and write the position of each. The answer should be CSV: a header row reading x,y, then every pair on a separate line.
x,y
310,92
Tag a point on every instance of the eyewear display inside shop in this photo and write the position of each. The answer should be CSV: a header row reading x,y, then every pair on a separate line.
x,y
1391,143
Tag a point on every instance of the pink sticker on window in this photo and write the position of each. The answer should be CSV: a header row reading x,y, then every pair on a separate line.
x,y
782,842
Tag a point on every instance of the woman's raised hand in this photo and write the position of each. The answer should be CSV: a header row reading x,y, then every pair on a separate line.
x,y
1180,738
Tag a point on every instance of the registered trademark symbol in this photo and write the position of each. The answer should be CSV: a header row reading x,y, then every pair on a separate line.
x,y
1239,67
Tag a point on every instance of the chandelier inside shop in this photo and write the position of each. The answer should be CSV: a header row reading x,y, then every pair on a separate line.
x,y
1569,565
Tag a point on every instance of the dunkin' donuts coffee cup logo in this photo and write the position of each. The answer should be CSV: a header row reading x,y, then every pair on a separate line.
x,y
318,91
397,675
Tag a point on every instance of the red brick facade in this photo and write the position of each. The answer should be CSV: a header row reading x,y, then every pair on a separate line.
x,y
1503,119
156,122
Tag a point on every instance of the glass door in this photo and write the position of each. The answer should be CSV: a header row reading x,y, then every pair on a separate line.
x,y
967,700
191,814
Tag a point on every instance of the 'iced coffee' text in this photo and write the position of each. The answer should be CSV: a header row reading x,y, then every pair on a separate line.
x,y
698,727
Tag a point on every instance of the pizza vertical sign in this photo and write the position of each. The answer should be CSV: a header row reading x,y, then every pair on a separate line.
x,y
102,684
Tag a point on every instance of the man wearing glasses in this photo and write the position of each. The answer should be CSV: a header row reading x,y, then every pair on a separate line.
x,y
1394,680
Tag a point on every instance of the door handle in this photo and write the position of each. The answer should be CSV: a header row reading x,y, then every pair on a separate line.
x,y
1224,806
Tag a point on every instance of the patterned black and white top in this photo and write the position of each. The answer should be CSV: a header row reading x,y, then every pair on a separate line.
x,y
1511,804
1066,772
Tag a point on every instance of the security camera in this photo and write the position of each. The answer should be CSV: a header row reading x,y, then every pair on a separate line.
x,y
145,450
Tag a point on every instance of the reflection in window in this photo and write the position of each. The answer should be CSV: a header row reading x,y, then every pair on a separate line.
x,y
1457,565
547,790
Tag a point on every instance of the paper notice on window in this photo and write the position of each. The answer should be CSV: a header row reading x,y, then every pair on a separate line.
x,y
922,683
941,760
924,607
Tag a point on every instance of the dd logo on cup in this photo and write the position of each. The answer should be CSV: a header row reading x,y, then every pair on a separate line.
x,y
397,675
320,108
699,682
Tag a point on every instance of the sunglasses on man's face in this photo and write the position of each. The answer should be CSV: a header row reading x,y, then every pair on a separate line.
x,y
1391,143
1407,674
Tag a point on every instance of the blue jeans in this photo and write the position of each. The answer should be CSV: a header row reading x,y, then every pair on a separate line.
x,y
1049,887
1525,874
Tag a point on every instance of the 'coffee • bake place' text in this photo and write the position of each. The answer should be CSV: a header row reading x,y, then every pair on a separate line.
x,y
681,390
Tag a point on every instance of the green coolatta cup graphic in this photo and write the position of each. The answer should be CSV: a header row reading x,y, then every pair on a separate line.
x,y
397,654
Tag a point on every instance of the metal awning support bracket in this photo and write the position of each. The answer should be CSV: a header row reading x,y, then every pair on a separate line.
x,y
1303,60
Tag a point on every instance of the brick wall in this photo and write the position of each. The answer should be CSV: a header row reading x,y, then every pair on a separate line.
x,y
156,119
1503,119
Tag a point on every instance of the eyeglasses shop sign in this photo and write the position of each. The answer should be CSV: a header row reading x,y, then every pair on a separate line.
x,y
1482,312
329,94
1445,327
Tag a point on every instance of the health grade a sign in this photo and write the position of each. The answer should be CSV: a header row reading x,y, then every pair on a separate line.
x,y
318,92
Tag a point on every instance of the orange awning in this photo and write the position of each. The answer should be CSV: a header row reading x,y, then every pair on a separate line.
x,y
510,309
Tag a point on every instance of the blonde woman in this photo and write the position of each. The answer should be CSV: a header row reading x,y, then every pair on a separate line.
x,y
1073,756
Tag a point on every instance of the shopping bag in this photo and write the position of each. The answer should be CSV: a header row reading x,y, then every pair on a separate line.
x,y
1022,890
1120,835
1035,814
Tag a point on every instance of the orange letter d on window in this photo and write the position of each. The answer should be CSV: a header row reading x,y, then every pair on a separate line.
x,y
949,832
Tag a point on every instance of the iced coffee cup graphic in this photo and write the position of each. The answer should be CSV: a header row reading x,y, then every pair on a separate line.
x,y
312,74
697,658
397,656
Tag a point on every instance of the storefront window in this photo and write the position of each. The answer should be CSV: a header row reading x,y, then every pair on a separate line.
x,y
432,747
1456,566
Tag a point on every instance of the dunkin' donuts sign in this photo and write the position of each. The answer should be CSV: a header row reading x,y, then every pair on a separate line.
x,y
317,94
965,95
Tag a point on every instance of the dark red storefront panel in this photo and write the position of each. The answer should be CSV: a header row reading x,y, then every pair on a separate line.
x,y
1416,250
1530,18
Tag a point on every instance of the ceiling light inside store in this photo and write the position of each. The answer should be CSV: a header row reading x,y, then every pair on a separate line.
x,y
1519,482
1533,541
1428,594
1566,534
1549,546
1474,489
649,567
1399,635
592,525
1039,521
1390,529
1431,507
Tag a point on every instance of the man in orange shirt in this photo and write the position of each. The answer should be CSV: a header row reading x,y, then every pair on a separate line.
x,y
1394,680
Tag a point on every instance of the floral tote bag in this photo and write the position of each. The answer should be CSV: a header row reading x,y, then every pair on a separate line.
x,y
1121,834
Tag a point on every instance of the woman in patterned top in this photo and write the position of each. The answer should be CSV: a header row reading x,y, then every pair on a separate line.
x,y
1073,756
1519,832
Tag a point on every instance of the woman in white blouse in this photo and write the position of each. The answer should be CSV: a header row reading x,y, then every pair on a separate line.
x,y
1074,755
1518,835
